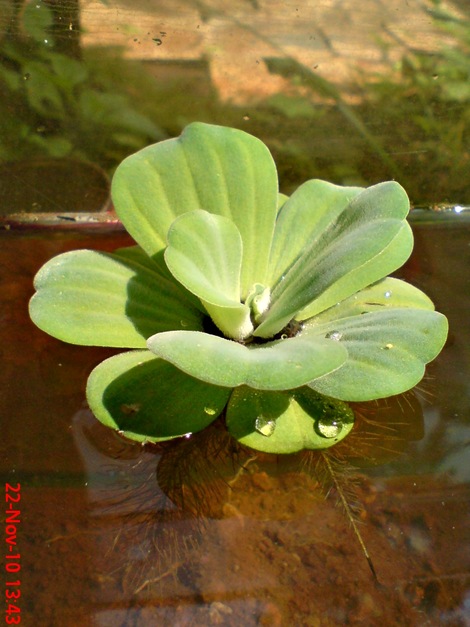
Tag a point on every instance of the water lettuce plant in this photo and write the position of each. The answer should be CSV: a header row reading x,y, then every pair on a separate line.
x,y
277,310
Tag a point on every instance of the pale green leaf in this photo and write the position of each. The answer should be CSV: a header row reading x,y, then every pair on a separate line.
x,y
287,422
304,217
204,254
386,293
347,255
221,170
101,299
148,399
280,365
387,351
389,259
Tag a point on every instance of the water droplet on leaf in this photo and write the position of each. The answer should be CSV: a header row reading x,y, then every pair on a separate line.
x,y
334,335
265,426
329,427
387,294
209,410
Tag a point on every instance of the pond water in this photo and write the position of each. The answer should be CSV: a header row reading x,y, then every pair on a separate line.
x,y
200,532
203,533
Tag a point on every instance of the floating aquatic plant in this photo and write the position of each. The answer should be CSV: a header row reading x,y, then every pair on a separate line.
x,y
275,309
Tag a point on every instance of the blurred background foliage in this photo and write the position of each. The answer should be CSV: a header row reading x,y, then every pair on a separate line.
x,y
61,100
410,122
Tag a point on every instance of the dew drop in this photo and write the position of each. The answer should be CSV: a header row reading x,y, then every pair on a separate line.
x,y
209,410
183,323
387,294
329,427
334,335
26,76
265,426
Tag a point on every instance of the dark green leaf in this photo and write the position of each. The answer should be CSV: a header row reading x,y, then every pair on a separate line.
x,y
287,422
149,399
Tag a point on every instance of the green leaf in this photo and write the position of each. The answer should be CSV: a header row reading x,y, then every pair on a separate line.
x,y
387,293
37,19
44,95
136,255
305,216
389,259
281,199
204,254
52,145
11,78
151,400
280,365
100,299
362,244
221,170
387,351
68,71
287,422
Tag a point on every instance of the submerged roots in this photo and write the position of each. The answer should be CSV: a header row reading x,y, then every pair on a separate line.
x,y
169,493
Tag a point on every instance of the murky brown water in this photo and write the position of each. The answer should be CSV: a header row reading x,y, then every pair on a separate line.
x,y
113,534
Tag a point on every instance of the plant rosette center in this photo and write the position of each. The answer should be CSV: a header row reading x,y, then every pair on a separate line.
x,y
277,310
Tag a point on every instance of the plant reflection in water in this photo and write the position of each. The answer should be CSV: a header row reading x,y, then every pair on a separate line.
x,y
210,476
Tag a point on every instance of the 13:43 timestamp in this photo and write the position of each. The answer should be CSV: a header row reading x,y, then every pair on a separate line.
x,y
12,611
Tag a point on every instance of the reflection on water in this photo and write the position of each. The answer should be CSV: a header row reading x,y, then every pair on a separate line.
x,y
167,535
222,536
350,92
